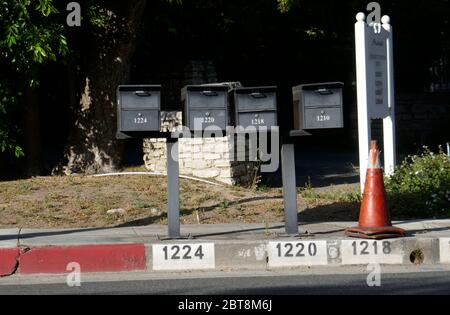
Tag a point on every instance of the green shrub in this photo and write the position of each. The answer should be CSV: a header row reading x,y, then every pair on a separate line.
x,y
420,186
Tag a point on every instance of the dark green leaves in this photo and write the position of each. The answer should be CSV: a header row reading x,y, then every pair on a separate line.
x,y
31,35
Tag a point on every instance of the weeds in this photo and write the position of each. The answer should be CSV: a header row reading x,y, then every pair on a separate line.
x,y
420,186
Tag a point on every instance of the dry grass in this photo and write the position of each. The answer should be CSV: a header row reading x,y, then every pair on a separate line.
x,y
83,201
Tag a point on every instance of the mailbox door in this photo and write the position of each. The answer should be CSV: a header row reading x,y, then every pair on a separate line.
x,y
323,117
207,99
256,101
140,99
325,96
207,117
257,119
140,120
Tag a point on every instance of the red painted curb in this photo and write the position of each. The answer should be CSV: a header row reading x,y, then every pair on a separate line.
x,y
8,260
91,258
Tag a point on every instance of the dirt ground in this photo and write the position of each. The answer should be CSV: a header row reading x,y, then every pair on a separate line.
x,y
84,201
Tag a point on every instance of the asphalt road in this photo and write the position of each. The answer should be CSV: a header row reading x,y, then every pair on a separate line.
x,y
414,283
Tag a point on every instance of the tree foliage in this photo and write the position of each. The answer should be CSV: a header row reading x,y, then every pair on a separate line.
x,y
31,36
259,41
285,5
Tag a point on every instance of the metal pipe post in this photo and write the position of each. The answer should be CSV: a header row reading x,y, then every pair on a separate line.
x,y
173,188
289,188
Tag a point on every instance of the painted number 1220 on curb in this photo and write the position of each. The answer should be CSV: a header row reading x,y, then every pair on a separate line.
x,y
300,253
288,250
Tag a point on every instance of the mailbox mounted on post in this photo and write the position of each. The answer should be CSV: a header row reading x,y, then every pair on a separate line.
x,y
138,109
255,106
318,106
205,106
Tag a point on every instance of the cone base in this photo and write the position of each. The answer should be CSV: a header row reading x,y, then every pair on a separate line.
x,y
375,232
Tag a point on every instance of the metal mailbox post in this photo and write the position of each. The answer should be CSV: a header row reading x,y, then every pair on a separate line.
x,y
173,188
138,116
289,181
316,106
257,107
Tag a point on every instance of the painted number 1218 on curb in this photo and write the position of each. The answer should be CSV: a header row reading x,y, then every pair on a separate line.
x,y
371,251
371,248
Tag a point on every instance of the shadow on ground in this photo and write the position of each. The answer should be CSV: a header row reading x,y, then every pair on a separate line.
x,y
335,212
320,168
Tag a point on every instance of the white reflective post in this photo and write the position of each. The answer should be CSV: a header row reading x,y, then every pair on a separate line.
x,y
375,89
364,134
389,121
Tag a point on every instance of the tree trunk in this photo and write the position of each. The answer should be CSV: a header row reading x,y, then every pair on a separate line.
x,y
32,133
92,146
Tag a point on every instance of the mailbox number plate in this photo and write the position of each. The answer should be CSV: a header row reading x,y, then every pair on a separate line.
x,y
329,117
200,119
143,120
258,119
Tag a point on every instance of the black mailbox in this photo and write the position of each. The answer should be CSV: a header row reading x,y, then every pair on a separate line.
x,y
138,108
205,106
318,106
255,106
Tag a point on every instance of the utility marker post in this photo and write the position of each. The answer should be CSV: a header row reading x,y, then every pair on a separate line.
x,y
375,89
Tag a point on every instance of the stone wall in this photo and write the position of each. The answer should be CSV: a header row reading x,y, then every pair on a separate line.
x,y
211,158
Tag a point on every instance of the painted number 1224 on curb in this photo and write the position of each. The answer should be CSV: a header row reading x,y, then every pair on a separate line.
x,y
182,252
183,256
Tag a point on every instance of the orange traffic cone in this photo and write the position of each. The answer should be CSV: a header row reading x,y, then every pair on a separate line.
x,y
374,219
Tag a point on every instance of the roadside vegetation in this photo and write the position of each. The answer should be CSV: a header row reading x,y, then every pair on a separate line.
x,y
420,186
